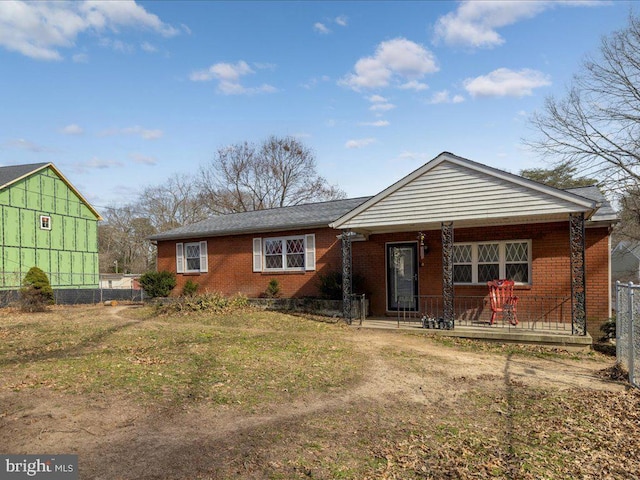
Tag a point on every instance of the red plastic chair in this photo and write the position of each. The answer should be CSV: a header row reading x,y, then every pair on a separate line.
x,y
503,300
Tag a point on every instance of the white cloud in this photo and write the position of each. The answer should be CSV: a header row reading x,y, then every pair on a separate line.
x,y
414,85
144,133
302,135
321,28
377,99
116,45
144,159
379,123
395,61
360,143
406,155
228,76
382,107
72,129
380,103
147,47
506,83
80,58
444,96
40,29
342,20
313,82
96,164
474,24
22,144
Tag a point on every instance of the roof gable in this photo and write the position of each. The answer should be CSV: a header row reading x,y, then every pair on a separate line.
x,y
14,173
451,188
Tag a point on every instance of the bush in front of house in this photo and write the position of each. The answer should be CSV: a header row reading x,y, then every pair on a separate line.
x,y
330,285
210,302
36,292
190,288
273,289
608,329
158,284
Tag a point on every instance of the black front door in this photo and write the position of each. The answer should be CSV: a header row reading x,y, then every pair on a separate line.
x,y
402,276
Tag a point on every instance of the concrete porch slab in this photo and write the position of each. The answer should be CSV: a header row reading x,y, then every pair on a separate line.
x,y
521,335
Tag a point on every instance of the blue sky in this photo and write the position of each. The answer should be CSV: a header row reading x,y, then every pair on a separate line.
x,y
121,95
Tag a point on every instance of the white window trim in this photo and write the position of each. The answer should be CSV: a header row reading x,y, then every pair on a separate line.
x,y
181,257
309,254
42,218
502,261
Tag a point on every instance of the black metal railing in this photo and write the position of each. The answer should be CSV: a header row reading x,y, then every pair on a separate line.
x,y
535,312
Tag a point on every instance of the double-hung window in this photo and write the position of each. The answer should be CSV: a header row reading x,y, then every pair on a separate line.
x,y
282,254
481,262
191,257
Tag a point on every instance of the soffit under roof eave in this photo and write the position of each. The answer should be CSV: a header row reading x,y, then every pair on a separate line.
x,y
436,225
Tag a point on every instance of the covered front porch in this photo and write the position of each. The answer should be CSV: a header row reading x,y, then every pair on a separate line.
x,y
541,320
549,242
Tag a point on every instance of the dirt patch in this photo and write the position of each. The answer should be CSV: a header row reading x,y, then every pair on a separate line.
x,y
411,385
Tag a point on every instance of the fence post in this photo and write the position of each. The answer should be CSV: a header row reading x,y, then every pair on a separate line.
x,y
631,352
618,321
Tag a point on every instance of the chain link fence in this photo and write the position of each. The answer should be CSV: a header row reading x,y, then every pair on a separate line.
x,y
628,329
79,296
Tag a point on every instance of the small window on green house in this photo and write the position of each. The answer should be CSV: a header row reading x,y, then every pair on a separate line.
x,y
45,222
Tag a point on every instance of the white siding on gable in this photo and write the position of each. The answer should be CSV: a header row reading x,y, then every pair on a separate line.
x,y
451,192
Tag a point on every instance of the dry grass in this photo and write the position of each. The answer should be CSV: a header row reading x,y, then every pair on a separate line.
x,y
264,395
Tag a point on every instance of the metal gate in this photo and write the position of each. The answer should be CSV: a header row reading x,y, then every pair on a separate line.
x,y
628,329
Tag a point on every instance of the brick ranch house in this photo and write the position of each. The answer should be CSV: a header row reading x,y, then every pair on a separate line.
x,y
427,244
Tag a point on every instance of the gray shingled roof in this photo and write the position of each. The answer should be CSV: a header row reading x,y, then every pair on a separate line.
x,y
12,173
317,215
276,219
605,212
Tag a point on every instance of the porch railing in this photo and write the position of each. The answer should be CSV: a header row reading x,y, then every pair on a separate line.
x,y
534,312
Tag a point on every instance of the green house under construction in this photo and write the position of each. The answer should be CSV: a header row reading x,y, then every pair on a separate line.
x,y
46,223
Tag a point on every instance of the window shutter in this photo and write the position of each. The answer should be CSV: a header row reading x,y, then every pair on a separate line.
x,y
257,254
204,261
179,258
310,252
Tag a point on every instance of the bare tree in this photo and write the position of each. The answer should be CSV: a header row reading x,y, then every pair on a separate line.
x,y
277,173
122,237
172,204
596,127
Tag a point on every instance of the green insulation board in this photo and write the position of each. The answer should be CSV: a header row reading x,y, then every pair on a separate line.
x,y
65,247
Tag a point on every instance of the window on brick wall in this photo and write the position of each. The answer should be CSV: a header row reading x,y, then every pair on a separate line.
x,y
282,254
191,257
480,262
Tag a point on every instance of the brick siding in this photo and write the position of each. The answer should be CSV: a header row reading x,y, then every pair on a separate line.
x,y
230,265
